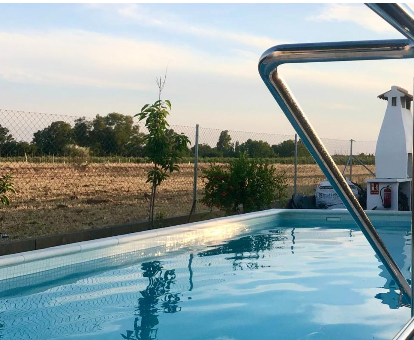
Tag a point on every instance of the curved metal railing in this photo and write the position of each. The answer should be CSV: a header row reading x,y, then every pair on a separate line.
x,y
407,332
324,52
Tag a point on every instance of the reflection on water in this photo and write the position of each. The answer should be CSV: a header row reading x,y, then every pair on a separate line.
x,y
249,247
245,253
252,248
1,328
156,297
399,245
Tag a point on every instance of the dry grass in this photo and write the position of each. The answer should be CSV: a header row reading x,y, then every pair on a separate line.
x,y
54,198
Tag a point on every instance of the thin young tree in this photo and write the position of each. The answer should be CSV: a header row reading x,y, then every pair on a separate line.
x,y
162,146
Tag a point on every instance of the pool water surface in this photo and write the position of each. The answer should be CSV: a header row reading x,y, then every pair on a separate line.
x,y
287,280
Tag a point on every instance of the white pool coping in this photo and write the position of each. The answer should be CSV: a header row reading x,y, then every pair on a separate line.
x,y
50,258
67,249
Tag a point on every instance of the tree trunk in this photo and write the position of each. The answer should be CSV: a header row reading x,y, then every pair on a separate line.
x,y
154,189
150,205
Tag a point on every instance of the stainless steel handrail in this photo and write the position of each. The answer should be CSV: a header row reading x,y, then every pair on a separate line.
x,y
327,52
399,16
407,332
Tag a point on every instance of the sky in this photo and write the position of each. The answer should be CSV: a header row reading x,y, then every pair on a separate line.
x,y
83,60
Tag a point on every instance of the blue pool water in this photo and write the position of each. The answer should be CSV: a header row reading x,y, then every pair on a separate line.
x,y
286,280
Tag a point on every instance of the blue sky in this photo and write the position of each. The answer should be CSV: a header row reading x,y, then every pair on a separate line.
x,y
82,60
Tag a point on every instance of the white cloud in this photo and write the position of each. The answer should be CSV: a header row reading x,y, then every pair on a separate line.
x,y
87,58
353,13
142,16
75,57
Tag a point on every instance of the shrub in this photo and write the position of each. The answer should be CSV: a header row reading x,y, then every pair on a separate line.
x,y
75,151
250,184
6,185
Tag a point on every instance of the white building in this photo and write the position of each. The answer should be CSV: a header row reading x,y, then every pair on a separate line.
x,y
393,154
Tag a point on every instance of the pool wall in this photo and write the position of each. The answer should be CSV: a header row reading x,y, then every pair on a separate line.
x,y
13,246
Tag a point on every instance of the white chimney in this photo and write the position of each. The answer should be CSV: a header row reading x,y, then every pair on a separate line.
x,y
393,155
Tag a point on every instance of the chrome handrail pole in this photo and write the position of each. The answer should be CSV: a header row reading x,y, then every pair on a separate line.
x,y
407,332
399,16
327,52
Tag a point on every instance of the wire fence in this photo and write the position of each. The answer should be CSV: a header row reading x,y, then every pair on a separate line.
x,y
77,173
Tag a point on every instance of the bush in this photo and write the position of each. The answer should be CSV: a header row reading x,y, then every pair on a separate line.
x,y
6,185
75,151
250,184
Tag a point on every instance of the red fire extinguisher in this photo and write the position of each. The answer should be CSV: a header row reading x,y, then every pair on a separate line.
x,y
386,200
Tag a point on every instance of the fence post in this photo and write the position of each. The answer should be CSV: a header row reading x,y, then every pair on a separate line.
x,y
195,170
350,163
296,164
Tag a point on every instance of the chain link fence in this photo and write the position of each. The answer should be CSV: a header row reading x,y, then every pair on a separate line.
x,y
77,173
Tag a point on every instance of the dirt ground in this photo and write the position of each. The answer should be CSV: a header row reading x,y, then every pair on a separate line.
x,y
55,198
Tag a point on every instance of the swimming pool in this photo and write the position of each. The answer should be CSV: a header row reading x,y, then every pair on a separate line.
x,y
273,275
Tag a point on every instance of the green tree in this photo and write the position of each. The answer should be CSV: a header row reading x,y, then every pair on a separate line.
x,y
237,148
114,134
6,139
52,139
136,143
287,149
205,150
224,144
257,149
20,148
82,132
163,147
5,135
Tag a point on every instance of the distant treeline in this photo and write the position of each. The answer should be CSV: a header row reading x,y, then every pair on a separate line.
x,y
115,137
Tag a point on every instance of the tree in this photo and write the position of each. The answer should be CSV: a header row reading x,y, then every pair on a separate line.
x,y
205,150
52,139
163,146
257,149
82,131
6,139
224,144
5,136
237,148
20,148
287,149
136,143
114,134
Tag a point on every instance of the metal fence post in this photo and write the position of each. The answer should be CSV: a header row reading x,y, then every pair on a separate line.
x,y
296,164
350,162
195,169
